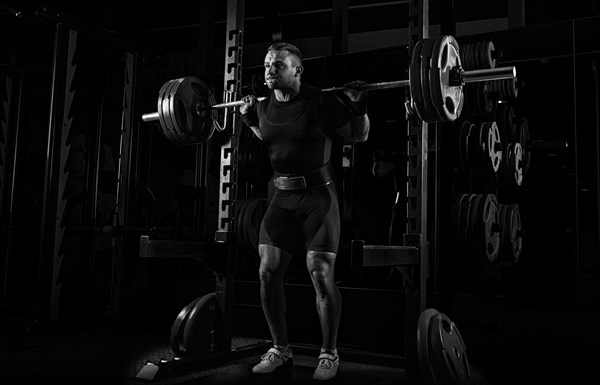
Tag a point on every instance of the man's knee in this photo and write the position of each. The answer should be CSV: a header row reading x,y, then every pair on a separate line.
x,y
320,267
273,263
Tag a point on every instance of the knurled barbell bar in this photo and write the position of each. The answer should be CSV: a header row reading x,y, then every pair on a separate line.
x,y
187,108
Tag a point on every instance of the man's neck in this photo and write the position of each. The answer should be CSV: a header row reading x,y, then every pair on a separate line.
x,y
287,94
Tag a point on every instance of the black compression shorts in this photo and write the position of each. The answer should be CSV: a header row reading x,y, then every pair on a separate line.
x,y
304,220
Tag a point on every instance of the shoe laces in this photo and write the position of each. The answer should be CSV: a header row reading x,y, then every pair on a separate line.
x,y
325,363
268,356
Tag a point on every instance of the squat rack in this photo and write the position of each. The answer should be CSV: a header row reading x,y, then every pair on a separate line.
x,y
411,258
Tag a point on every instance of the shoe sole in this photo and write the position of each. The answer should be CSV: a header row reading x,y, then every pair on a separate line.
x,y
282,368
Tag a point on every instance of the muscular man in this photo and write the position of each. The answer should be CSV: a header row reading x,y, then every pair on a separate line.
x,y
297,123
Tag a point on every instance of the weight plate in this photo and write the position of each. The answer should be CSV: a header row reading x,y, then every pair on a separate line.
x,y
490,56
516,238
164,115
490,220
429,110
415,79
240,212
447,99
454,213
171,117
483,62
477,55
468,64
467,151
473,227
474,149
463,219
247,222
516,165
523,138
427,360
504,231
203,326
256,217
177,328
450,351
258,85
193,126
494,146
462,132
490,104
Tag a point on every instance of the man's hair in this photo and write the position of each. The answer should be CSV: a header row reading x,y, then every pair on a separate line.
x,y
289,48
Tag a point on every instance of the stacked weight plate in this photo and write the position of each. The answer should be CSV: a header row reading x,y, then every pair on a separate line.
x,y
197,325
475,219
433,98
178,101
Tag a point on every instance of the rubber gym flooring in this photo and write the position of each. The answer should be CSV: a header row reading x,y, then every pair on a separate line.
x,y
112,350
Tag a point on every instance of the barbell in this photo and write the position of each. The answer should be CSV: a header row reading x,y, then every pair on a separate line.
x,y
187,109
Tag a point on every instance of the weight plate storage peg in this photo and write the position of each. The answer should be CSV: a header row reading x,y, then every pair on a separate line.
x,y
441,350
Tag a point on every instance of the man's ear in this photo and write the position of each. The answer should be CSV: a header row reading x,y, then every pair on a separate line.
x,y
299,70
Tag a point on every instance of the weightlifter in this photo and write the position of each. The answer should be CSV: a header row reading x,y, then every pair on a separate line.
x,y
297,122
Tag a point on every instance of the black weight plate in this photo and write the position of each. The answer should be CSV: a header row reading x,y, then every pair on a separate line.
x,y
450,351
192,127
493,146
202,326
256,217
177,328
454,213
164,113
429,110
504,231
466,148
463,221
523,135
171,109
425,354
248,228
415,79
491,220
516,238
473,226
242,205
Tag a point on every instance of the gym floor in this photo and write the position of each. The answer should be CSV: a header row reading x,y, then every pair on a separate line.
x,y
113,350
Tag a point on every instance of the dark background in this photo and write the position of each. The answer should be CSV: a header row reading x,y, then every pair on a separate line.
x,y
555,49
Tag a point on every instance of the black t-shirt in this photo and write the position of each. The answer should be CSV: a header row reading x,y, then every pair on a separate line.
x,y
298,134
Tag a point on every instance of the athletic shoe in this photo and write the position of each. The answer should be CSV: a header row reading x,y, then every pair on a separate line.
x,y
328,367
273,359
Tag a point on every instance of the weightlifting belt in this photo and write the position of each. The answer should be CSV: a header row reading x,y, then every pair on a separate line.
x,y
319,177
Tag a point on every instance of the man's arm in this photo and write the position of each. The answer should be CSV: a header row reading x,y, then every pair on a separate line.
x,y
248,114
357,129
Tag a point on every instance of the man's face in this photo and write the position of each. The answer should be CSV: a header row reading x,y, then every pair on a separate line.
x,y
281,69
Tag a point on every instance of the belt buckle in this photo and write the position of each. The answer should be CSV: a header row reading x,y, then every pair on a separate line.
x,y
290,183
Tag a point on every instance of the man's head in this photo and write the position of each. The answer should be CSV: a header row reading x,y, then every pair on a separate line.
x,y
283,65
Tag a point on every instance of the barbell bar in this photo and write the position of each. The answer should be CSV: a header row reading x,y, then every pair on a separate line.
x,y
471,76
187,108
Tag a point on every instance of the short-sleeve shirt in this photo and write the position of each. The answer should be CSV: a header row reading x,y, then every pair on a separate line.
x,y
299,134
